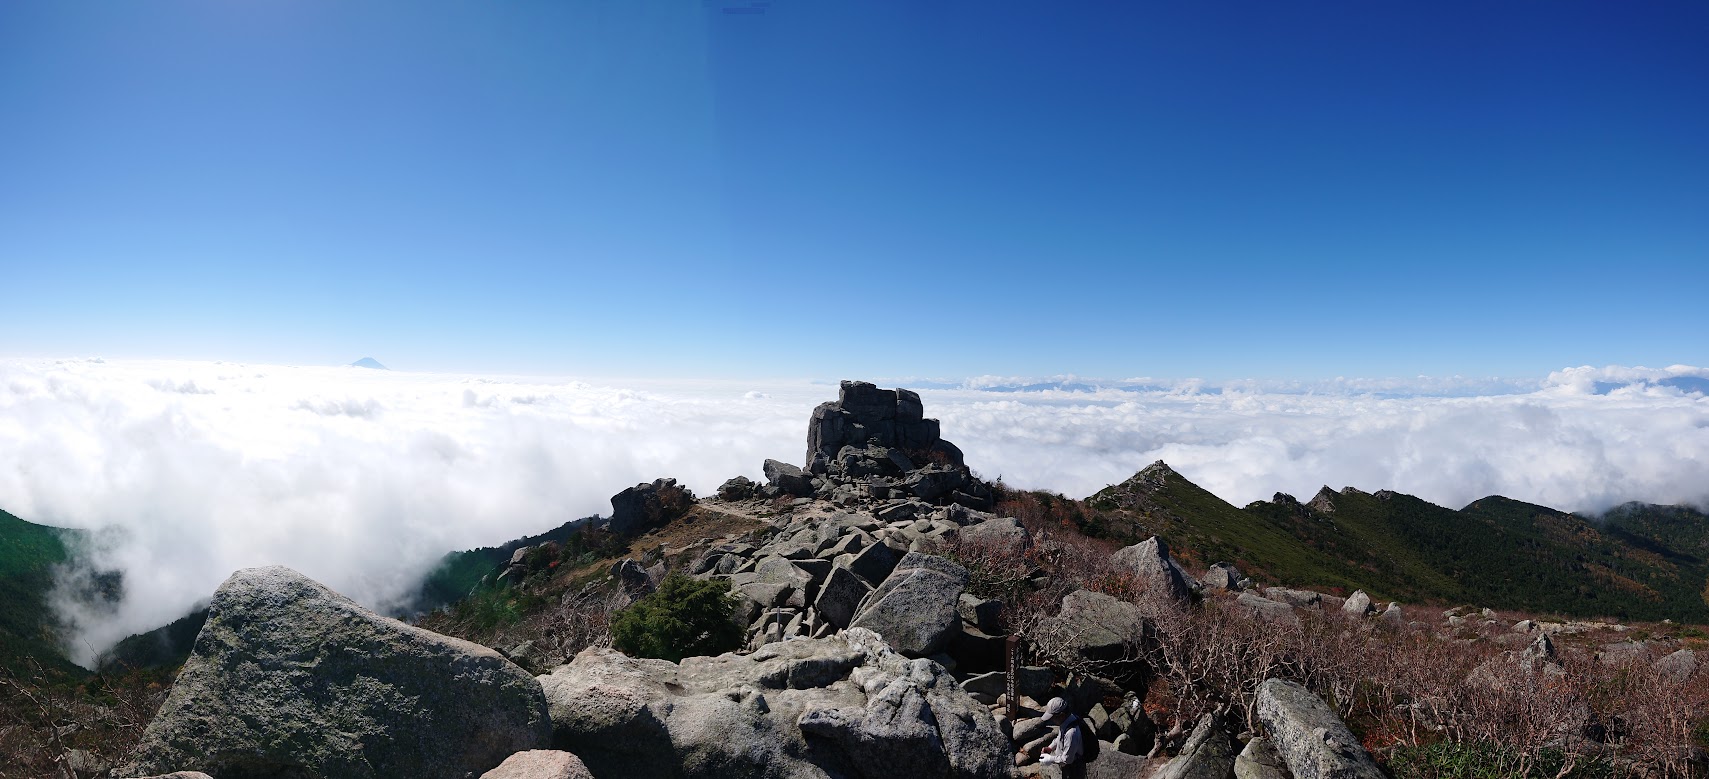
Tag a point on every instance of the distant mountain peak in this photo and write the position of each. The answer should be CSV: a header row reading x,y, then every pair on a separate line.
x,y
369,362
1139,488
1156,471
1324,501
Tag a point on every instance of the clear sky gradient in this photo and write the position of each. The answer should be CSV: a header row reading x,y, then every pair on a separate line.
x,y
838,188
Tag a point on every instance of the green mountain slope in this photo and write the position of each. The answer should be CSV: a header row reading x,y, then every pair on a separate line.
x,y
459,572
1640,562
28,553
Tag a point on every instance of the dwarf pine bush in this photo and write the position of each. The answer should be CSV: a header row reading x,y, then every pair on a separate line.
x,y
683,618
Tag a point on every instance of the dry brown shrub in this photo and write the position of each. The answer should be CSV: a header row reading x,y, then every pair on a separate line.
x,y
42,720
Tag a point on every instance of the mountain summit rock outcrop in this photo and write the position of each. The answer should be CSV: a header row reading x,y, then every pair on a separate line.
x,y
864,415
289,678
877,444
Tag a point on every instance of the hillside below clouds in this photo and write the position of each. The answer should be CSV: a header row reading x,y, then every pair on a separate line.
x,y
1637,562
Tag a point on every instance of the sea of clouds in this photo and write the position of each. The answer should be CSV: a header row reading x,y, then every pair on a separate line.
x,y
363,478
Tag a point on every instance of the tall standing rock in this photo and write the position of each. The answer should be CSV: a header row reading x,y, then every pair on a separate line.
x,y
290,678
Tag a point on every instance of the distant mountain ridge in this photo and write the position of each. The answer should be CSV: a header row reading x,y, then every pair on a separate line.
x,y
369,362
1637,562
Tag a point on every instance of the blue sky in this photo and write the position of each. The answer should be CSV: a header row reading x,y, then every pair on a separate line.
x,y
827,188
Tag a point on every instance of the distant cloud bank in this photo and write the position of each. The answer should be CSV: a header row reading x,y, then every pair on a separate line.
x,y
363,478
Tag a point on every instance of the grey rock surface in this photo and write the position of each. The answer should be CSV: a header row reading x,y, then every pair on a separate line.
x,y
1259,761
1266,608
998,533
1208,753
986,614
540,764
915,609
289,676
1098,627
1302,599
1678,667
1310,739
1223,576
642,505
788,478
1112,763
840,596
873,563
843,706
1149,560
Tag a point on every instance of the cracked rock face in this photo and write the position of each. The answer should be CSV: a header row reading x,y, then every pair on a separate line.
x,y
289,678
843,706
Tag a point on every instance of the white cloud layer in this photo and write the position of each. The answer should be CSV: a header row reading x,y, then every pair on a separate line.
x,y
363,478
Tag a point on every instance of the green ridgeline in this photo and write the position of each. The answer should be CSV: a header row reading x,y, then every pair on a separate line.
x,y
1640,562
28,628
459,573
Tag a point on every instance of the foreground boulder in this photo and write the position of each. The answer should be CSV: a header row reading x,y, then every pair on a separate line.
x,y
289,678
540,764
1308,736
916,608
844,706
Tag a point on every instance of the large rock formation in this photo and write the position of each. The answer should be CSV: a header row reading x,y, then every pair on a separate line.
x,y
863,415
844,706
644,505
1308,736
876,443
289,678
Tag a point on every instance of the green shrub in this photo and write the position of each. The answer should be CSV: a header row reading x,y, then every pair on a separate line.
x,y
683,618
1458,760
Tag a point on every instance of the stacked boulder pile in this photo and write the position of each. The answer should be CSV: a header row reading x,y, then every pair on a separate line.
x,y
821,569
872,446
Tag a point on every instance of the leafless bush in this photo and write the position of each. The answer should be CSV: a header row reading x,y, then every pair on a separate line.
x,y
582,619
43,719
